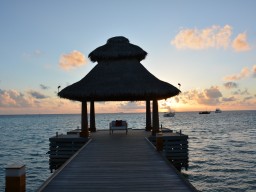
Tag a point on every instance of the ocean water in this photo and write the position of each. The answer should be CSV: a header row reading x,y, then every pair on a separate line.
x,y
222,147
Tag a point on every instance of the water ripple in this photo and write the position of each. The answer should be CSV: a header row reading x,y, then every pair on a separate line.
x,y
222,155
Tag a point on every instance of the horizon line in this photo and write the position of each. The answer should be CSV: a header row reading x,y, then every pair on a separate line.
x,y
113,113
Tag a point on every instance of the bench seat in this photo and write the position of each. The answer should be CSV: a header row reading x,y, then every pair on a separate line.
x,y
118,125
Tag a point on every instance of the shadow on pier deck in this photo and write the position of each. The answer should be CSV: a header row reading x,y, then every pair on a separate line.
x,y
117,162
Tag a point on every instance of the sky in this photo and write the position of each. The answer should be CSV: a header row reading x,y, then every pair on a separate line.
x,y
208,47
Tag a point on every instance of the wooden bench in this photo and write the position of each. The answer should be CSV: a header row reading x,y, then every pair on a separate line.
x,y
118,125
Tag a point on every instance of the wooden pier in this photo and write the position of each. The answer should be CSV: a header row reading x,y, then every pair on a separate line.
x,y
62,147
117,162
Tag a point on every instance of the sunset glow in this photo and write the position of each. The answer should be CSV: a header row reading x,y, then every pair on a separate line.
x,y
208,54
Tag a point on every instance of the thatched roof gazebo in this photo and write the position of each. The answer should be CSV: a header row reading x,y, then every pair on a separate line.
x,y
119,76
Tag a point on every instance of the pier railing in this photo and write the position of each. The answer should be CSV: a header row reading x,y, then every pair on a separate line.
x,y
175,148
62,147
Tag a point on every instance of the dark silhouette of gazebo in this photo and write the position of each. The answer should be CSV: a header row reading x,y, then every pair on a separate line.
x,y
119,76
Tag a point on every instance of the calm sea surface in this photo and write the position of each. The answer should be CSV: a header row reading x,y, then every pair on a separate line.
x,y
222,147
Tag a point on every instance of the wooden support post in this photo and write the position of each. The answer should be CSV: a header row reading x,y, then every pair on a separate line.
x,y
92,117
84,122
155,118
15,178
148,116
159,142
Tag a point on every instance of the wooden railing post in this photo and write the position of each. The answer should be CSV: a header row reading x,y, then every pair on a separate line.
x,y
159,142
15,178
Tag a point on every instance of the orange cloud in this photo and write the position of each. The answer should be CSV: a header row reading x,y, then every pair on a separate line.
x,y
72,60
244,73
254,71
167,104
212,37
209,96
13,98
138,106
31,102
240,43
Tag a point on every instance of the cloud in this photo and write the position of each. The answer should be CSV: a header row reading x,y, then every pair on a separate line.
x,y
131,106
16,102
240,92
196,99
230,85
212,37
248,98
16,99
245,72
228,99
44,87
13,98
254,71
209,96
36,53
213,92
240,43
72,60
37,95
167,104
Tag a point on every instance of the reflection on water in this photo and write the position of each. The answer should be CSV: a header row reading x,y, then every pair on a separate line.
x,y
221,146
222,150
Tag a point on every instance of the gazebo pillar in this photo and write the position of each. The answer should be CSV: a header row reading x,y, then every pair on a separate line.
x,y
155,118
148,116
92,117
84,121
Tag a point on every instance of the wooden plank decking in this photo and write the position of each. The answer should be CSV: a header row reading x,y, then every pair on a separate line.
x,y
117,162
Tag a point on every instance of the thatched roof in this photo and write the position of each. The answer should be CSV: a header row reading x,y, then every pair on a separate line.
x,y
117,48
118,76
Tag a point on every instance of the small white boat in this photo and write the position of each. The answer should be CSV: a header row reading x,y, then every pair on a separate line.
x,y
169,114
218,110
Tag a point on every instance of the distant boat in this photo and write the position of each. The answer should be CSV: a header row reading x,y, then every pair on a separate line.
x,y
218,110
169,114
204,112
